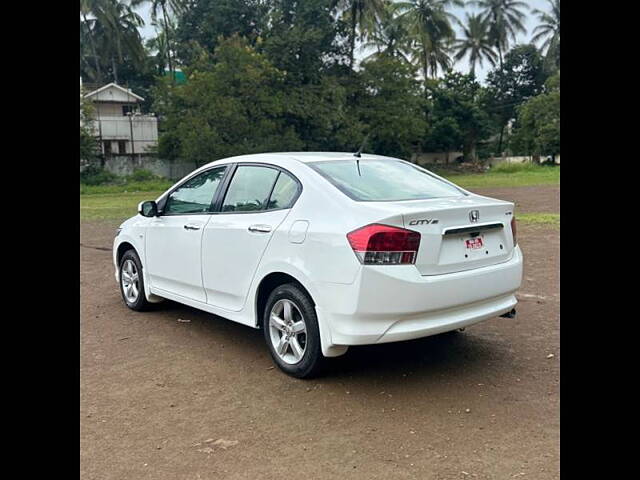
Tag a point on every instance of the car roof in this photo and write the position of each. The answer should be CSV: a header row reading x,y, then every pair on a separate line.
x,y
303,157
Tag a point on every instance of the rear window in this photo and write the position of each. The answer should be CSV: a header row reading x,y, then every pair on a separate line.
x,y
383,180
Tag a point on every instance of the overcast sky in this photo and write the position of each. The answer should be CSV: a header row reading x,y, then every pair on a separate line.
x,y
148,31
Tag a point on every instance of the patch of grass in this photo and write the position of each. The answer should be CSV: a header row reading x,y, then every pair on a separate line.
x,y
113,206
154,185
507,175
552,219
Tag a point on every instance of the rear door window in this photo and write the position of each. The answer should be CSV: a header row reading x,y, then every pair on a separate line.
x,y
249,189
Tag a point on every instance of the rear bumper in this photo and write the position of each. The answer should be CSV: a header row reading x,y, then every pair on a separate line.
x,y
393,303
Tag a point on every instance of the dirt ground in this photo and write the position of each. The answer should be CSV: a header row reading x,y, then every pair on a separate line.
x,y
163,399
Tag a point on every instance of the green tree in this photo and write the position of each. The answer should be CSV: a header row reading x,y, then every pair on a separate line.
x,y
429,24
303,42
88,142
391,106
537,130
521,77
505,18
549,32
458,115
476,42
205,22
235,106
302,39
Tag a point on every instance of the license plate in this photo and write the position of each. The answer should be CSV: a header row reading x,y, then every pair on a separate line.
x,y
474,243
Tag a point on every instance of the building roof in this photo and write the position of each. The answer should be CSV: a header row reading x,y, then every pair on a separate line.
x,y
112,92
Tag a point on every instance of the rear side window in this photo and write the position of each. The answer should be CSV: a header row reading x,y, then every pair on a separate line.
x,y
284,192
383,180
249,189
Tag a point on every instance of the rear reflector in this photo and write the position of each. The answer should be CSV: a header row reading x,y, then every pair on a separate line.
x,y
514,230
378,244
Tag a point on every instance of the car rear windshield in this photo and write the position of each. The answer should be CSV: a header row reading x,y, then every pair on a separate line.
x,y
383,180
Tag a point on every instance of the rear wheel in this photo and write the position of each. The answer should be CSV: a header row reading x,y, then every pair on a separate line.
x,y
132,281
291,331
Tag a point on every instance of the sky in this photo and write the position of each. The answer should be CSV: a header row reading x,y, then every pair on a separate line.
x,y
530,23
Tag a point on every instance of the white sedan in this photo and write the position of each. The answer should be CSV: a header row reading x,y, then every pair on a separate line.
x,y
323,251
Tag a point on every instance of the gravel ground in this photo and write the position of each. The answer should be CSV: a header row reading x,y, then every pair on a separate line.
x,y
163,399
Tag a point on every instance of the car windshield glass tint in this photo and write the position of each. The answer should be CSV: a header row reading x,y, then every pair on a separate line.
x,y
383,180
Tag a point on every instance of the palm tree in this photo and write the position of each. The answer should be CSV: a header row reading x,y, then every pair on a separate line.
x,y
476,42
429,25
549,30
389,37
168,8
505,21
88,7
362,15
120,35
159,44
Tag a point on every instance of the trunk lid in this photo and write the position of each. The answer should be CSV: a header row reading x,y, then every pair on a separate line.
x,y
458,233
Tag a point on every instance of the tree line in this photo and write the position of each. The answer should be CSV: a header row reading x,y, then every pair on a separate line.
x,y
278,75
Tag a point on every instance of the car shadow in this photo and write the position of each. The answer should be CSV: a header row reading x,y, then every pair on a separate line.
x,y
451,354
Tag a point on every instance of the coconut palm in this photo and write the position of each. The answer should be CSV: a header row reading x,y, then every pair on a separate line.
x,y
389,37
505,19
119,35
88,7
362,16
549,29
429,25
159,44
475,42
168,9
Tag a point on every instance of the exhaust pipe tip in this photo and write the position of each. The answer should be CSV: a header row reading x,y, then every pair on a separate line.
x,y
510,314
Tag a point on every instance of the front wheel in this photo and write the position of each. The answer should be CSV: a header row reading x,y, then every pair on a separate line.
x,y
132,281
291,331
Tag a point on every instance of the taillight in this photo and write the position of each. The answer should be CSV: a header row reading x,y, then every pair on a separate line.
x,y
513,229
378,244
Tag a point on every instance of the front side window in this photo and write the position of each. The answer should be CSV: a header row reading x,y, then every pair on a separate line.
x,y
249,189
196,194
383,180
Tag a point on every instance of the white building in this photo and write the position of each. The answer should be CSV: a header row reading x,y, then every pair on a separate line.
x,y
118,123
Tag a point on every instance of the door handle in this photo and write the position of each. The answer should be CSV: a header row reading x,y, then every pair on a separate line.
x,y
192,226
260,228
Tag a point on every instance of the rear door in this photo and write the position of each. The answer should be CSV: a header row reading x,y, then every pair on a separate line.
x,y
258,199
174,239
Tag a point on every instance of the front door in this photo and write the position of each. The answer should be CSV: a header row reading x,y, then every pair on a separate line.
x,y
174,239
257,201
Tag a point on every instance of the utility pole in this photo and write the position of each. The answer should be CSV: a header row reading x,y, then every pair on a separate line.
x,y
133,151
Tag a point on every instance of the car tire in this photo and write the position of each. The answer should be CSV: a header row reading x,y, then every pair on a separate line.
x,y
302,357
132,281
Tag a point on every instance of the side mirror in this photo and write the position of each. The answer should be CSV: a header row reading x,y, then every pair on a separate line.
x,y
148,209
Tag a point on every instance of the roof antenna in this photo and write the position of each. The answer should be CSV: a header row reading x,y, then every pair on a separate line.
x,y
358,154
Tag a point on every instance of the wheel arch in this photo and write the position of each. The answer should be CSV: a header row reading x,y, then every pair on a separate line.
x,y
268,283
122,248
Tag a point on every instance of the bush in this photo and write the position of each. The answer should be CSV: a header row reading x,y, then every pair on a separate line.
x,y
141,175
94,175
